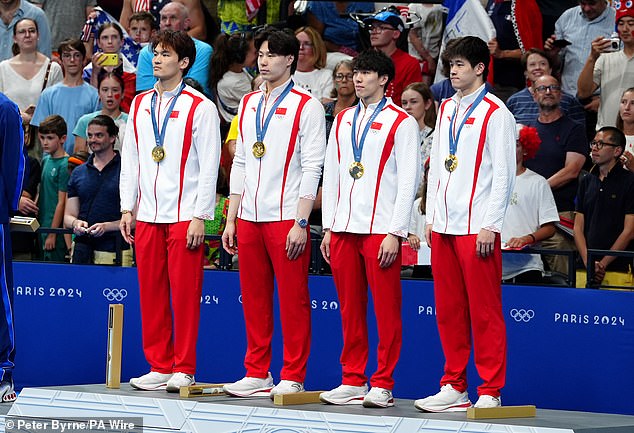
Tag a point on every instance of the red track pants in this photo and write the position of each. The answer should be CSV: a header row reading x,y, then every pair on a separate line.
x,y
262,253
168,269
354,263
468,296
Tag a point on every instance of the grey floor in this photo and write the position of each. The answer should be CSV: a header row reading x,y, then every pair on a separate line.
x,y
580,422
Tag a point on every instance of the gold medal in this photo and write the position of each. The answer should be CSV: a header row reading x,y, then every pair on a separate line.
x,y
158,153
356,170
258,149
451,163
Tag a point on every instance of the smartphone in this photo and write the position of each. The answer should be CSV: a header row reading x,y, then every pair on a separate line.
x,y
561,43
109,59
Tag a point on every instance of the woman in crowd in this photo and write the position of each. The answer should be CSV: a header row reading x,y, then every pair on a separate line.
x,y
311,73
229,77
27,73
625,122
109,41
418,101
111,90
343,92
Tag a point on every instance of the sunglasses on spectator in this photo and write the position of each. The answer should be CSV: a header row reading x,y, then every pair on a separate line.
x,y
552,88
341,77
599,144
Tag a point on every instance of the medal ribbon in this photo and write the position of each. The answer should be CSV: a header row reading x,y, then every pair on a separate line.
x,y
260,130
357,148
159,138
453,142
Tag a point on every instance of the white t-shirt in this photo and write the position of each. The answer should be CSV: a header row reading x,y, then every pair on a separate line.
x,y
229,91
532,205
26,92
318,82
629,143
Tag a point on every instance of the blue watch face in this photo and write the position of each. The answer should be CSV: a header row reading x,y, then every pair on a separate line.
x,y
302,223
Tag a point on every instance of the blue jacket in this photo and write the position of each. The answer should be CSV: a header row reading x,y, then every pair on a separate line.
x,y
13,167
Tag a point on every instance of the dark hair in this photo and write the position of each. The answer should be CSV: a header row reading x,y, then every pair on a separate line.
x,y
619,119
376,61
54,124
72,44
472,49
103,74
191,82
15,27
180,42
103,120
143,16
616,134
423,90
444,57
280,42
228,50
108,25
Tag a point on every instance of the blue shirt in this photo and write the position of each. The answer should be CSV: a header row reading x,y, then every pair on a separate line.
x,y
338,30
26,10
13,167
145,78
526,110
69,102
574,27
98,194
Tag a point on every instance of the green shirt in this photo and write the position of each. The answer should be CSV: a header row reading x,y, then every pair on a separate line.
x,y
54,179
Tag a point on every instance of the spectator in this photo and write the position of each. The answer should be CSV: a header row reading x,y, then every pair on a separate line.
x,y
560,158
196,28
110,87
311,73
418,101
24,244
12,176
605,212
579,26
550,11
24,76
385,29
332,21
66,18
141,27
109,41
175,16
72,98
230,80
612,71
342,92
13,11
625,122
92,208
52,134
522,104
530,217
424,37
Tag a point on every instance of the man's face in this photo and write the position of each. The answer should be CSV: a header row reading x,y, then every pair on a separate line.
x,y
591,9
273,67
368,85
171,18
463,76
73,61
607,152
625,27
165,63
382,34
547,92
98,138
536,66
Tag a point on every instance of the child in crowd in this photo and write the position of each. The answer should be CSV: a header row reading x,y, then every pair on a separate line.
x,y
142,27
52,135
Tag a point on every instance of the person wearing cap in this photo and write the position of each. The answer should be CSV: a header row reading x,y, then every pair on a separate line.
x,y
611,70
385,29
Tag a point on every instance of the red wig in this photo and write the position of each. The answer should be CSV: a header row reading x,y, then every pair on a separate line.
x,y
530,141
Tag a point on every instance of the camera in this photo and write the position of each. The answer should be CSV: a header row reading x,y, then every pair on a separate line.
x,y
615,43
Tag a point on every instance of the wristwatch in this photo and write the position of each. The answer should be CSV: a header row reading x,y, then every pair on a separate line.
x,y
302,222
123,212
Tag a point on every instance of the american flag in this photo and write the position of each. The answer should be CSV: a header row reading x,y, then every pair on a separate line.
x,y
252,7
129,48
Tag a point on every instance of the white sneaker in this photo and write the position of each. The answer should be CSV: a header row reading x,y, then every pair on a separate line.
x,y
378,397
178,380
345,394
487,401
151,381
287,387
250,387
447,400
7,392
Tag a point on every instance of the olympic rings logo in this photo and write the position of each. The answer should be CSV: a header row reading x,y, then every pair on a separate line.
x,y
522,315
115,294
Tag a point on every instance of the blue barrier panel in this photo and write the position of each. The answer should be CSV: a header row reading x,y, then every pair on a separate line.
x,y
568,348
